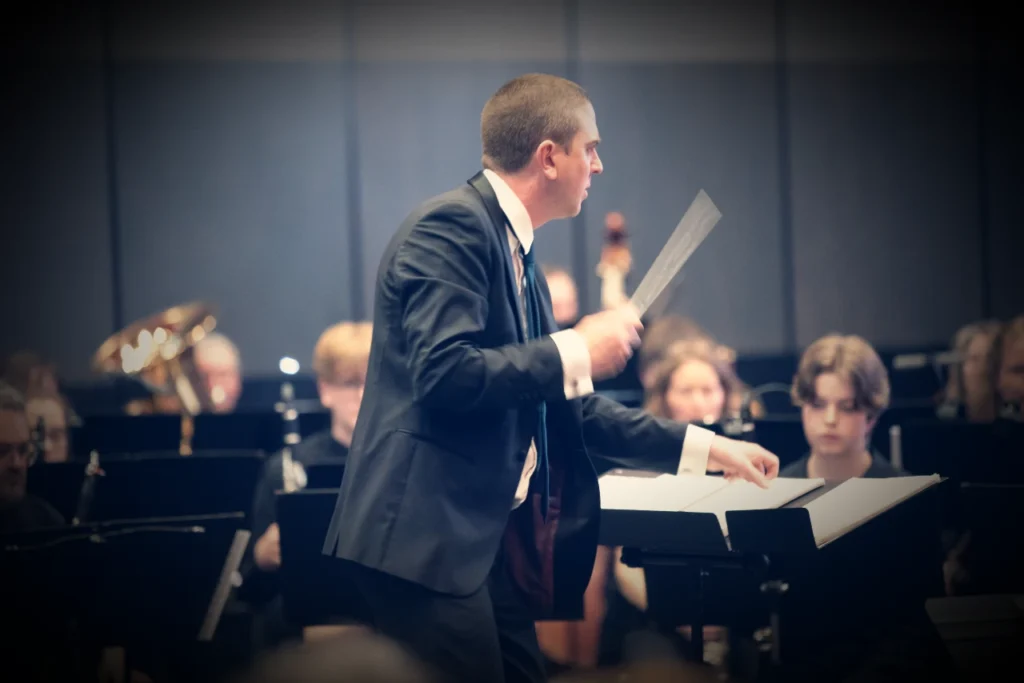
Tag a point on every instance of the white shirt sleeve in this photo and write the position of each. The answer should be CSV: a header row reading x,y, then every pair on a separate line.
x,y
575,363
696,450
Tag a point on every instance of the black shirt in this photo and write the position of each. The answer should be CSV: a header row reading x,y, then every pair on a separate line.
x,y
880,468
320,448
29,514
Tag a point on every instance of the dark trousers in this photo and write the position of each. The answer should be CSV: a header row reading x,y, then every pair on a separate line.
x,y
487,636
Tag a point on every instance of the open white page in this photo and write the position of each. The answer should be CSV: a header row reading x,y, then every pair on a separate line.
x,y
744,495
856,501
664,493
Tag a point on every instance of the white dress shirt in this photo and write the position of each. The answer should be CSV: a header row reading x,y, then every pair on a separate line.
x,y
571,348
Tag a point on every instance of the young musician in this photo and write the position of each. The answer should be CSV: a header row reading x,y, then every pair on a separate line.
x,y
969,391
842,388
469,506
339,362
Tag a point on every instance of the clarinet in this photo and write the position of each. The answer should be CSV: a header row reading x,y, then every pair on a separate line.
x,y
292,471
88,490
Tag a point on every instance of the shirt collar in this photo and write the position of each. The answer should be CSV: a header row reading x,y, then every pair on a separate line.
x,y
515,211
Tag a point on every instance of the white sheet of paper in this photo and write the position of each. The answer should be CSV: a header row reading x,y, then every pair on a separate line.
x,y
744,495
856,501
664,493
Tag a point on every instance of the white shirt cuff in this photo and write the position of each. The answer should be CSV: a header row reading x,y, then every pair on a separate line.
x,y
696,449
575,363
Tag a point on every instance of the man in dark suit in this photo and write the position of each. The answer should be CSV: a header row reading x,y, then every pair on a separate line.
x,y
470,506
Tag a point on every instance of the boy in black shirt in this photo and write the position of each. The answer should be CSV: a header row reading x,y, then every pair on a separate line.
x,y
842,388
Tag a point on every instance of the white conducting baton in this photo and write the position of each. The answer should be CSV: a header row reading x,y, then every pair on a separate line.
x,y
695,225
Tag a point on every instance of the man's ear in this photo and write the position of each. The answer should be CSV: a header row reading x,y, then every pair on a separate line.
x,y
546,158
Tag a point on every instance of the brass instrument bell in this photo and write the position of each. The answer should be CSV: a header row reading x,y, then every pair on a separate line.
x,y
159,351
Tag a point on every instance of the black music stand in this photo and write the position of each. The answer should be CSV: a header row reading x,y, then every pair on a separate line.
x,y
688,568
814,598
995,555
142,584
211,431
150,485
965,451
315,587
324,475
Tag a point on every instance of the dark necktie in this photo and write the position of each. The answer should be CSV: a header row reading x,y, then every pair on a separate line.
x,y
534,332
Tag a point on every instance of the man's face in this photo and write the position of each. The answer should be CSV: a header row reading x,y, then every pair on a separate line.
x,y
55,435
219,369
833,424
342,399
15,455
572,168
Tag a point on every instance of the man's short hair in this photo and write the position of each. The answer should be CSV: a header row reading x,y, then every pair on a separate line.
x,y
10,398
852,358
523,113
342,352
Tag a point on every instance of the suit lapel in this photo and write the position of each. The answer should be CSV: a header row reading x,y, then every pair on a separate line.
x,y
499,221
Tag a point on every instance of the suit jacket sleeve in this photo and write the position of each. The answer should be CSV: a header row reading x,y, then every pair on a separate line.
x,y
634,438
443,273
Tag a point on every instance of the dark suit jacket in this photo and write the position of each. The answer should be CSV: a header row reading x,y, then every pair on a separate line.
x,y
447,417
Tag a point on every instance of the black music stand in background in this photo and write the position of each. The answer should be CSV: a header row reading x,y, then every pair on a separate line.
x,y
314,587
150,485
992,514
324,475
965,451
211,431
148,585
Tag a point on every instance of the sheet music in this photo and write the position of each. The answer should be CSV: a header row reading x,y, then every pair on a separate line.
x,y
664,493
744,495
857,501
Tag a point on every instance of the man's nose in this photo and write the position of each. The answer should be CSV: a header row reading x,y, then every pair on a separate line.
x,y
597,166
830,415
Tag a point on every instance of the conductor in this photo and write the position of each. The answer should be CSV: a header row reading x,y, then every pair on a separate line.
x,y
469,506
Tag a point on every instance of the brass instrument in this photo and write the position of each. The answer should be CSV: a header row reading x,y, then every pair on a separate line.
x,y
159,352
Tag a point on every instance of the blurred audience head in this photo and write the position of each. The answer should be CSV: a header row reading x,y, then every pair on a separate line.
x,y
841,387
220,364
17,452
692,382
655,670
564,296
1007,365
340,360
970,382
357,657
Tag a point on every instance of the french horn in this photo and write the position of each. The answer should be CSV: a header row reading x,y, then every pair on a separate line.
x,y
159,352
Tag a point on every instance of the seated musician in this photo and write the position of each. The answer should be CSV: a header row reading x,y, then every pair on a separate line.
x,y
693,382
19,510
220,364
969,393
1008,369
841,387
565,302
340,361
49,414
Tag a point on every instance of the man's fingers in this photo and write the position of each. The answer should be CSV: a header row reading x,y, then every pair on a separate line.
x,y
752,472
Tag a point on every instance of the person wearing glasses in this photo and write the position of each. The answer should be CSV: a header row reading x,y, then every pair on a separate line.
x,y
19,510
